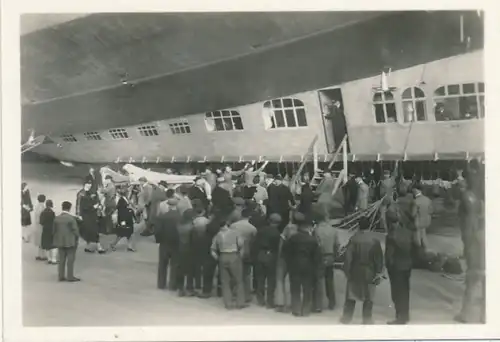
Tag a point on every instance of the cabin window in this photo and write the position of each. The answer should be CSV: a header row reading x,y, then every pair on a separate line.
x,y
92,136
181,127
223,120
118,133
459,102
148,131
385,107
284,112
68,138
414,105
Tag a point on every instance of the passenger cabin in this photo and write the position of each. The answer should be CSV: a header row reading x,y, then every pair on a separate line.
x,y
414,94
437,107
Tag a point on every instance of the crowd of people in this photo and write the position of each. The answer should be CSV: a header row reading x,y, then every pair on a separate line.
x,y
236,241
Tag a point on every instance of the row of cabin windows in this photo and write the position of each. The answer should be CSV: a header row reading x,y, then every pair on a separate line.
x,y
278,113
451,102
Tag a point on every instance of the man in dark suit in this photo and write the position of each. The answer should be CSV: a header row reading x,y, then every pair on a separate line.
x,y
66,241
302,253
398,258
280,201
167,236
93,179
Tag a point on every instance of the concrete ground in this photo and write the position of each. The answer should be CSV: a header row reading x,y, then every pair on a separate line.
x,y
119,288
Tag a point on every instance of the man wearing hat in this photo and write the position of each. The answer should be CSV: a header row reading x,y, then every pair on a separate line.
x,y
422,215
363,194
210,177
198,191
144,200
387,188
324,193
398,258
185,201
303,254
328,241
280,201
283,268
221,197
167,236
248,232
363,266
158,195
266,247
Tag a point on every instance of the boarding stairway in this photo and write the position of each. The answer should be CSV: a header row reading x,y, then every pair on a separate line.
x,y
337,170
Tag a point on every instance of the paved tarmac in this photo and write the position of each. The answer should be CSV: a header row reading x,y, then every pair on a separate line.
x,y
119,288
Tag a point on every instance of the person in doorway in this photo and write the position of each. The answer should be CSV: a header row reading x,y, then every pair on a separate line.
x,y
47,218
89,203
422,216
66,241
302,254
267,243
38,228
363,266
167,236
473,237
26,209
398,259
228,249
125,222
324,282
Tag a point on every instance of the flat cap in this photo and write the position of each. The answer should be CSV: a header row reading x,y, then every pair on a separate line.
x,y
143,179
172,201
299,217
275,218
239,201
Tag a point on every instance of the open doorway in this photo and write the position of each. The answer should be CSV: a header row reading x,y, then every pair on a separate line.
x,y
332,110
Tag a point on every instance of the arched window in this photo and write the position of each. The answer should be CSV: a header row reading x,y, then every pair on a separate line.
x,y
414,104
284,112
385,107
223,120
459,102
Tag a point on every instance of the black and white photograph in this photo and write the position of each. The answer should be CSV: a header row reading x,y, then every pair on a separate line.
x,y
323,169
